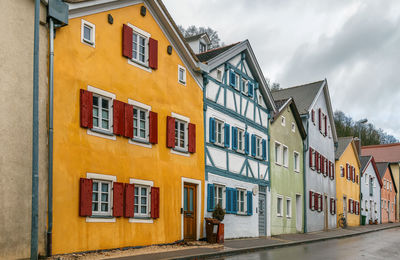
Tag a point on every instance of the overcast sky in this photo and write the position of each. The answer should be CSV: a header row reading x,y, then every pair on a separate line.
x,y
354,44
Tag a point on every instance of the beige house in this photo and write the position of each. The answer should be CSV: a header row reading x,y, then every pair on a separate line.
x,y
16,84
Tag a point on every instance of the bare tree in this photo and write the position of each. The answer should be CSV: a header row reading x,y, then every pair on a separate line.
x,y
193,30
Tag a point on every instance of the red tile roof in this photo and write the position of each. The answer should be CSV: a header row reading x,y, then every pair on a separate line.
x,y
383,152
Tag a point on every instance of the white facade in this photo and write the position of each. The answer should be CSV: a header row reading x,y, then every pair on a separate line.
x,y
371,194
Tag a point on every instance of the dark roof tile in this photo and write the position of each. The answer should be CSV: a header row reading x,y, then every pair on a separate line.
x,y
208,55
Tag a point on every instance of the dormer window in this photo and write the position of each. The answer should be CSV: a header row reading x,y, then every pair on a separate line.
x,y
202,47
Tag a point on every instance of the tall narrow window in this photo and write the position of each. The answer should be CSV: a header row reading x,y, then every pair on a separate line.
x,y
278,153
296,161
101,112
140,123
258,147
279,206
180,135
288,208
101,198
139,47
240,142
181,75
285,156
219,132
245,86
218,195
241,201
142,201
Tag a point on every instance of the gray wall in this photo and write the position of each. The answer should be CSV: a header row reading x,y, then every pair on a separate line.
x,y
16,73
376,197
316,181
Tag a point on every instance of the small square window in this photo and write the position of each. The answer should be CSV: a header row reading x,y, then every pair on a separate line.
x,y
218,195
219,132
181,133
181,75
279,206
283,121
88,33
288,208
293,127
102,113
241,201
240,141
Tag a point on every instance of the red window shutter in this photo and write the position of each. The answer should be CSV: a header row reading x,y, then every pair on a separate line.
x,y
354,206
313,115
357,179
129,200
322,202
317,162
128,114
118,117
153,124
310,157
347,171
86,102
326,128
170,132
127,41
310,200
85,197
192,138
316,200
322,164
155,202
319,119
118,199
153,53
331,205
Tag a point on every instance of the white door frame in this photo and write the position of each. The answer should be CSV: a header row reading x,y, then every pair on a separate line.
x,y
198,203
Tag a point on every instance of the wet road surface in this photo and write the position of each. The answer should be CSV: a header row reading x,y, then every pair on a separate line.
x,y
383,245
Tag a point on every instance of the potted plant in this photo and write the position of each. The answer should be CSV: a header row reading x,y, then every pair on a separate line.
x,y
376,221
219,214
370,221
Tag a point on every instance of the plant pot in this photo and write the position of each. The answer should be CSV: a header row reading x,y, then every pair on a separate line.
x,y
376,222
211,233
370,222
220,233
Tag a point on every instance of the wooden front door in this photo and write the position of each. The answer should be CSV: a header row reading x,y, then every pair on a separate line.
x,y
189,211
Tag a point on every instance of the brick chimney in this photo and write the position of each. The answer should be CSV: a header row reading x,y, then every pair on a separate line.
x,y
357,142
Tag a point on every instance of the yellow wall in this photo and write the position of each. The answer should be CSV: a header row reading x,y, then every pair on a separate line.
x,y
75,152
346,187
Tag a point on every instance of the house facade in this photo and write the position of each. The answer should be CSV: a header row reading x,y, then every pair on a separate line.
x,y
237,108
387,153
128,130
16,55
388,193
347,181
314,105
370,187
287,171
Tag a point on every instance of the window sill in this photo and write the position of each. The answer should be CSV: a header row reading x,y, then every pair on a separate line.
x,y
182,83
241,214
220,145
139,65
100,219
88,43
180,152
141,220
101,133
279,216
140,143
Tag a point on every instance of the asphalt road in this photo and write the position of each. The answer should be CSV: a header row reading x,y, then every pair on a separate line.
x,y
376,245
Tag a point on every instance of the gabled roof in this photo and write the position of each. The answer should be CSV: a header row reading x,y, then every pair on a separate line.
x,y
281,105
208,55
383,152
365,161
382,167
198,36
304,95
216,57
343,142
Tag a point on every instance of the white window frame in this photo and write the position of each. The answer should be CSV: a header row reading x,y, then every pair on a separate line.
x,y
237,81
342,171
147,204
244,211
140,219
245,86
285,163
216,195
186,121
278,154
146,36
283,121
293,127
177,137
258,147
296,166
279,204
222,123
202,44
146,124
183,69
96,131
99,217
288,214
240,136
100,98
219,75
92,42
144,142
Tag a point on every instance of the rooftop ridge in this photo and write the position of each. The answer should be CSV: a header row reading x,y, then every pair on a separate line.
x,y
298,86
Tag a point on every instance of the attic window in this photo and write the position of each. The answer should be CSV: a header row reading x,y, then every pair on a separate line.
x,y
219,75
88,33
293,127
202,47
181,75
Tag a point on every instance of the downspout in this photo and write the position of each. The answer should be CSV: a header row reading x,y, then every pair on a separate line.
x,y
50,155
35,137
269,152
305,149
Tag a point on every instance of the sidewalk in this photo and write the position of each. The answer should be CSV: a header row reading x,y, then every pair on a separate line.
x,y
238,246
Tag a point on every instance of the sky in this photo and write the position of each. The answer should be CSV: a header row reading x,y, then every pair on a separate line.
x,y
354,44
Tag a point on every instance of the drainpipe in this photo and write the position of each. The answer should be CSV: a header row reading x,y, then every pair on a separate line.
x,y
305,149
50,155
35,137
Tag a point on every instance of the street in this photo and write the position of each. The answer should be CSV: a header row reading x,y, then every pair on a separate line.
x,y
376,245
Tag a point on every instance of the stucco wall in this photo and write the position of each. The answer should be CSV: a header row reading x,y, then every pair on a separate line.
x,y
387,195
77,66
285,181
395,167
347,188
16,84
315,181
366,197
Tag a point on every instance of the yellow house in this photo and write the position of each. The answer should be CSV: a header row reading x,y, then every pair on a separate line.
x,y
347,181
128,129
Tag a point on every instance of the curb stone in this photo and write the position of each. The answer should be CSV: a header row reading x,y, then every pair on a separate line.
x,y
230,252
